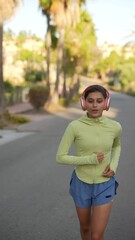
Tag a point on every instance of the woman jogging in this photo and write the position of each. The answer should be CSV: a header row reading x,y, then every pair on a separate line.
x,y
97,142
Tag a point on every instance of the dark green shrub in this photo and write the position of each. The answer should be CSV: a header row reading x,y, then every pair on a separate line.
x,y
38,95
15,119
8,87
34,76
18,119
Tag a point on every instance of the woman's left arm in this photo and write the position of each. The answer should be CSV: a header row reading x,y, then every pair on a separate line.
x,y
111,168
116,150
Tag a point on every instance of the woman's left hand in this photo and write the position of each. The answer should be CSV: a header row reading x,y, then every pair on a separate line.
x,y
107,172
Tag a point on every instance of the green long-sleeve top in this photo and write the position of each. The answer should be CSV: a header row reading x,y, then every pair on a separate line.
x,y
89,136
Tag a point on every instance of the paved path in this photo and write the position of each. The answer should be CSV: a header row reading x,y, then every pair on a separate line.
x,y
34,199
22,109
19,108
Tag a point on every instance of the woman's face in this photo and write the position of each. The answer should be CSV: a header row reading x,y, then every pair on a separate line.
x,y
95,103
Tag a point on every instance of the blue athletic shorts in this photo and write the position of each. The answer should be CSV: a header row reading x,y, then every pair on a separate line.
x,y
86,195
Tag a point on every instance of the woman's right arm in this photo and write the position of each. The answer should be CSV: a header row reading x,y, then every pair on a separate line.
x,y
62,154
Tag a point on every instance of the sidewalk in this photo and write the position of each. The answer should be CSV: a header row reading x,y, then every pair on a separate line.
x,y
25,109
20,108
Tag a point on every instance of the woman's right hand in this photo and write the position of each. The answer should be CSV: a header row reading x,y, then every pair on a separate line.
x,y
100,157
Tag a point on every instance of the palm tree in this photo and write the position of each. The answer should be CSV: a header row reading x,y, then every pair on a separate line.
x,y
45,6
66,14
7,9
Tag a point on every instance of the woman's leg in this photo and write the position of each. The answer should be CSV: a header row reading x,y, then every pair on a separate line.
x,y
99,220
84,215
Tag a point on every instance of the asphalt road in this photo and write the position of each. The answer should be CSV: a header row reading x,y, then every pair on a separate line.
x,y
34,199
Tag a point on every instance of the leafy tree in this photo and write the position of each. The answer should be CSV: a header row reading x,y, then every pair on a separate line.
x,y
81,50
109,65
21,38
127,76
30,56
113,60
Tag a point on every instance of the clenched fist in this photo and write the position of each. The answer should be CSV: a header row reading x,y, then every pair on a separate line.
x,y
100,156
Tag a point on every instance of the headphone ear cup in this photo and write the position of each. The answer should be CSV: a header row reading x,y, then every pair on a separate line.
x,y
107,103
83,103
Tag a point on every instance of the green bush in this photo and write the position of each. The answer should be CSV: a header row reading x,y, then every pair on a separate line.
x,y
38,95
18,119
8,87
11,118
34,76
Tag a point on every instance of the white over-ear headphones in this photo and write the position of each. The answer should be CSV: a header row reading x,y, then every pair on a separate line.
x,y
107,100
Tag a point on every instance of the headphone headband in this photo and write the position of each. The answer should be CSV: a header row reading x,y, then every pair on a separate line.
x,y
94,85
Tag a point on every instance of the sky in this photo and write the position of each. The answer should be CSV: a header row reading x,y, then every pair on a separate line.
x,y
114,20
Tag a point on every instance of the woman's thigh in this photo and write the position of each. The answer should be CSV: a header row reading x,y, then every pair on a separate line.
x,y
100,217
84,215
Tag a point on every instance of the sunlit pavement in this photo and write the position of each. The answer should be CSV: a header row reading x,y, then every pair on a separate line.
x,y
10,135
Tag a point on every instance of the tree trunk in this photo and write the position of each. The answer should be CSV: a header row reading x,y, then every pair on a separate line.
x,y
64,91
53,101
48,45
2,91
59,60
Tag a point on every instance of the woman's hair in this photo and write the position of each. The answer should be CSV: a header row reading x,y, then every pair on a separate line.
x,y
95,88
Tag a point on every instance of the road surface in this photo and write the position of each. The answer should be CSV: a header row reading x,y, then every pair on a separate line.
x,y
34,199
